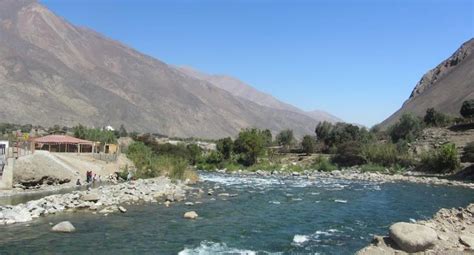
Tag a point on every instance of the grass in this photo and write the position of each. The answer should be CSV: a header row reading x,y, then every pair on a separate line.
x,y
322,163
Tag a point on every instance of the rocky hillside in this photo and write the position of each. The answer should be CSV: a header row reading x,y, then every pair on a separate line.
x,y
444,88
52,72
238,88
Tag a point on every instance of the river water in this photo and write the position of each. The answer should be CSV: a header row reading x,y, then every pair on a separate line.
x,y
263,215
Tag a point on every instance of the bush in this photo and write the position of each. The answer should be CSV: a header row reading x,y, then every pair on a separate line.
x,y
388,154
408,128
436,119
467,109
442,160
374,168
468,154
323,164
150,165
349,154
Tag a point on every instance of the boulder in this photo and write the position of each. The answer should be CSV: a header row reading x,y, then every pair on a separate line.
x,y
17,214
467,240
63,227
413,237
192,215
122,209
90,197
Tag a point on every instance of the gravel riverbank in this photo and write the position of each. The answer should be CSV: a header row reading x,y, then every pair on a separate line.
x,y
105,199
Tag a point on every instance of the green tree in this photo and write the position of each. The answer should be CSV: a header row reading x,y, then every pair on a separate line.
x,y
194,153
468,154
408,128
285,138
250,144
308,143
122,131
349,154
268,137
323,129
434,118
467,108
225,146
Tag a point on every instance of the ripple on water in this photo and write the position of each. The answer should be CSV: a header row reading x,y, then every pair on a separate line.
x,y
207,247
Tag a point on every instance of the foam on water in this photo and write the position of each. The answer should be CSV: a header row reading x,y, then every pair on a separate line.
x,y
265,182
207,247
299,239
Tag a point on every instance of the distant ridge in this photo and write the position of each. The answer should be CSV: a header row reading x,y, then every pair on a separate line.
x,y
238,88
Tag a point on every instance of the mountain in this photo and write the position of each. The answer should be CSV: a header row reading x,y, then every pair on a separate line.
x,y
240,89
52,72
444,88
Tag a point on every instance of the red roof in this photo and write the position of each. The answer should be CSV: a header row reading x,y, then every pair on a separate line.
x,y
61,139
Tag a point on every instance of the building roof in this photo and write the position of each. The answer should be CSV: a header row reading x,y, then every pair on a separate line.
x,y
61,139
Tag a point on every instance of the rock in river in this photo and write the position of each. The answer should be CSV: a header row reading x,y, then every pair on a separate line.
x,y
64,227
192,215
122,209
90,197
412,237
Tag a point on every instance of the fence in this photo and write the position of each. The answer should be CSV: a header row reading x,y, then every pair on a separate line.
x,y
105,156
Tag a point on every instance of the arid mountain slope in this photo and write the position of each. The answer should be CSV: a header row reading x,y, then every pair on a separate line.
x,y
444,88
238,88
52,72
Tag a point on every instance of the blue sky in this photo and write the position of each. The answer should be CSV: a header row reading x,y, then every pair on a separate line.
x,y
358,60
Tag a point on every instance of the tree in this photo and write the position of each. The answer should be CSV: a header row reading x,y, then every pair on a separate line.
x,y
194,153
323,129
434,118
349,154
467,109
408,128
250,144
268,137
122,131
308,144
225,147
285,138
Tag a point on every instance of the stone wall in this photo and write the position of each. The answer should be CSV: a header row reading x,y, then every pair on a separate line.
x,y
6,180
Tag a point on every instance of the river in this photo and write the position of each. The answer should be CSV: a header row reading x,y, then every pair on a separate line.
x,y
262,215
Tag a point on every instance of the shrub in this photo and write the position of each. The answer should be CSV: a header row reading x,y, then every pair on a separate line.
x,y
468,154
408,128
467,108
372,168
442,160
349,154
323,164
388,154
150,165
434,118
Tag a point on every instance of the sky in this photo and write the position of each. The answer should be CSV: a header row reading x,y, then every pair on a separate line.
x,y
358,60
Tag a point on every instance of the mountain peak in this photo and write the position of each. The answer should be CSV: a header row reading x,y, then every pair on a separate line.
x,y
444,87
